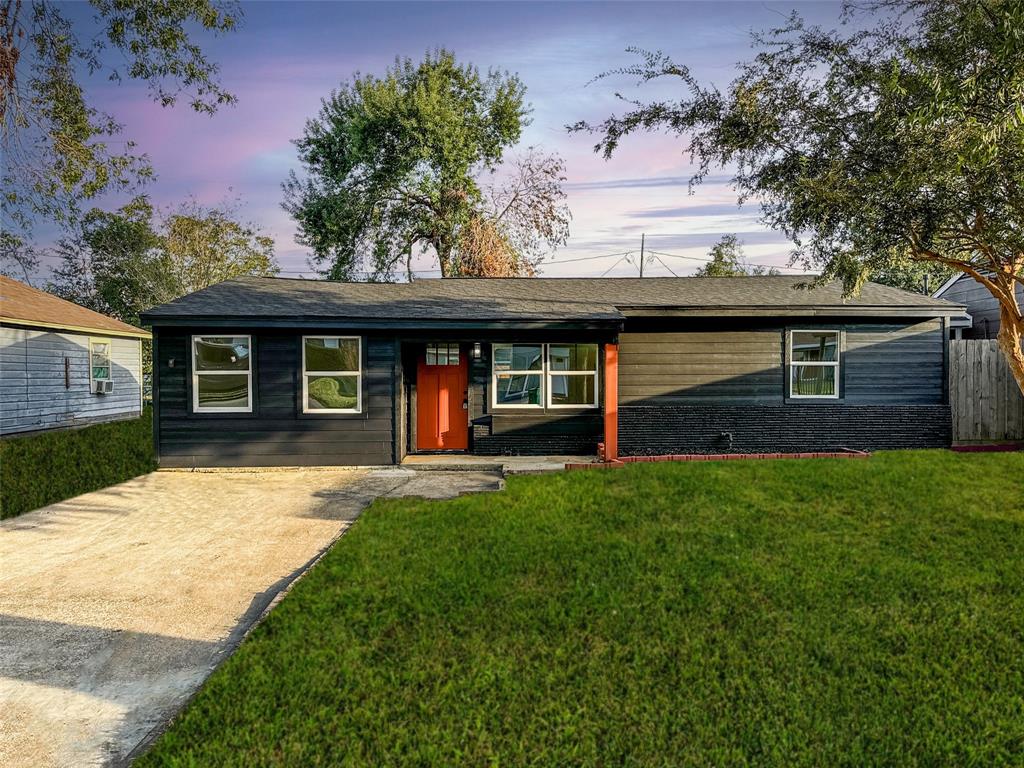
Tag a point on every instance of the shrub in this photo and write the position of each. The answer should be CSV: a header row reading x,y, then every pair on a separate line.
x,y
41,469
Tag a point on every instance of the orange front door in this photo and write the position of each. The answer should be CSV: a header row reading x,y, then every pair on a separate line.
x,y
442,423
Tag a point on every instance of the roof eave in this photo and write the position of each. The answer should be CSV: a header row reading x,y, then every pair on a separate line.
x,y
221,321
816,311
950,282
69,328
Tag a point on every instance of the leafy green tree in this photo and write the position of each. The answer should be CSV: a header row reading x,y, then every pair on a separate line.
x,y
59,151
392,164
112,265
123,263
917,276
727,260
900,141
203,246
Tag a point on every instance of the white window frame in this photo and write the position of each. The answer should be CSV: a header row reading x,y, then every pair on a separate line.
x,y
550,372
196,408
535,372
545,373
793,364
110,362
357,373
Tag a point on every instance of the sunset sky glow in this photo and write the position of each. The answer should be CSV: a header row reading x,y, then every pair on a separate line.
x,y
287,56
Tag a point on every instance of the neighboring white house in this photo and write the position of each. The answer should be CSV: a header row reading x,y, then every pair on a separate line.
x,y
63,365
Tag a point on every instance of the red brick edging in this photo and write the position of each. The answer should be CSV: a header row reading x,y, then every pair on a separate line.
x,y
623,461
987,447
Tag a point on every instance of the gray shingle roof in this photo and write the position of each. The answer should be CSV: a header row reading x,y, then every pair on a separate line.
x,y
525,299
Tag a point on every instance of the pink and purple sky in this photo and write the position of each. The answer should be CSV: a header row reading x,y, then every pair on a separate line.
x,y
288,55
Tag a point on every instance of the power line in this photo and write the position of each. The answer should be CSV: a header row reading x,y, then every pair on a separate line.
x,y
589,258
613,266
666,266
623,256
358,272
679,256
705,260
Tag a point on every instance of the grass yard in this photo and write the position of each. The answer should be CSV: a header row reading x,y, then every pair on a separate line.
x,y
769,613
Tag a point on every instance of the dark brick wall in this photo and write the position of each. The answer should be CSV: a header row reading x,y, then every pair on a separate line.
x,y
652,430
578,439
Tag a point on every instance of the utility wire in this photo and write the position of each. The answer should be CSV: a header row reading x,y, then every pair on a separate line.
x,y
705,260
623,256
666,266
589,258
554,260
678,256
613,266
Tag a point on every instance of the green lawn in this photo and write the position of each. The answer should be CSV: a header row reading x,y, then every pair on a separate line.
x,y
768,613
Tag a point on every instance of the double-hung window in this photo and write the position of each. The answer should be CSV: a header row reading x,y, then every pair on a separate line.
x,y
222,374
814,364
99,362
539,375
517,374
572,375
332,374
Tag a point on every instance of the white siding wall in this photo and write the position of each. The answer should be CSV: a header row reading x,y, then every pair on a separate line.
x,y
33,394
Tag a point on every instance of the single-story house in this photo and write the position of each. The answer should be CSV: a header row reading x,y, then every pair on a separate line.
x,y
63,365
273,371
982,318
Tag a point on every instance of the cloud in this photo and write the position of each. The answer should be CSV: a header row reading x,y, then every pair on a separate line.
x,y
712,209
648,183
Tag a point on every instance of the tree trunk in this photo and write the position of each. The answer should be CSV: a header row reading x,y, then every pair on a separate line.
x,y
444,258
1011,334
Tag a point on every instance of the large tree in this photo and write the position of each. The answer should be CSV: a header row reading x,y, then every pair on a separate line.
x,y
112,264
392,164
59,151
125,262
901,140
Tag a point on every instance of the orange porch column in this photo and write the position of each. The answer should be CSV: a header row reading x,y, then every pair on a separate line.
x,y
611,402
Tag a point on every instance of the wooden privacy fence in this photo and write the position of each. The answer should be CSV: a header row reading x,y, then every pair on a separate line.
x,y
987,404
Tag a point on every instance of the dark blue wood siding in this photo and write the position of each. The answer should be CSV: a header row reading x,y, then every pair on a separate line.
x,y
882,363
899,364
276,433
692,387
700,365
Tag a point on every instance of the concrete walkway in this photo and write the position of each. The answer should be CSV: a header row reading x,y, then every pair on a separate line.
x,y
509,465
116,605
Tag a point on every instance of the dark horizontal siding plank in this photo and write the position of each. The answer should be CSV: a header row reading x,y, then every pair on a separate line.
x,y
365,453
268,447
642,349
244,459
241,427
716,337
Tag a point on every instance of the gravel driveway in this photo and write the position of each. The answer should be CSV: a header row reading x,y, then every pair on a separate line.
x,y
116,605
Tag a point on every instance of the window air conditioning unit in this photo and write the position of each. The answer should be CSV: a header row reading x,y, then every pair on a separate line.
x,y
103,387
